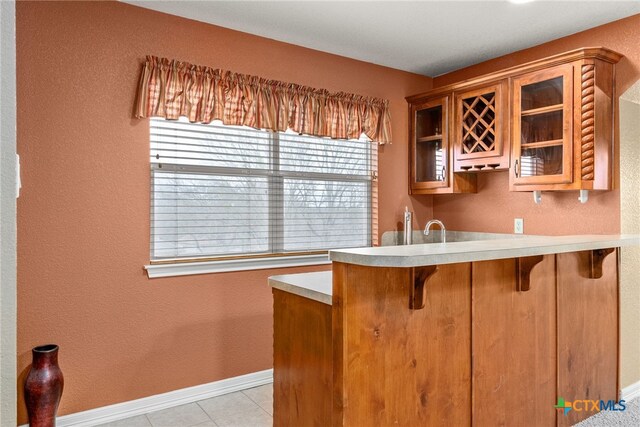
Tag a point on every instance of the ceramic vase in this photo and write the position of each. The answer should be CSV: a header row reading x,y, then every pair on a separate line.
x,y
43,386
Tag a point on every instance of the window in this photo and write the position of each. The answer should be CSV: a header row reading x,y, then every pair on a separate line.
x,y
228,191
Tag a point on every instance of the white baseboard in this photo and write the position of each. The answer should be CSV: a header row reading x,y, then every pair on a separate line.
x,y
157,402
631,392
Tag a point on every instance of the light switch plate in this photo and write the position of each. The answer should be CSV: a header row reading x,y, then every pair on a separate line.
x,y
518,225
18,182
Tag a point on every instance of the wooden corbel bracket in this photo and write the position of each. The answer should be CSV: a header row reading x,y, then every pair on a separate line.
x,y
596,257
419,278
524,265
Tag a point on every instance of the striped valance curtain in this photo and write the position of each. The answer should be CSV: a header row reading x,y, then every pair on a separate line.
x,y
171,89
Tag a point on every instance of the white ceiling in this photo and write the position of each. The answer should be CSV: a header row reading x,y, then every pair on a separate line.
x,y
425,37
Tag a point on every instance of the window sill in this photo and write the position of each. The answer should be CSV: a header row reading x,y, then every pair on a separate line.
x,y
223,266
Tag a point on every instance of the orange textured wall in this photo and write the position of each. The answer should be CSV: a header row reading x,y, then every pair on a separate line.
x,y
83,213
494,207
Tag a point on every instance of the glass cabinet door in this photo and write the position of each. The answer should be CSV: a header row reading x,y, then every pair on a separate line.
x,y
542,108
429,167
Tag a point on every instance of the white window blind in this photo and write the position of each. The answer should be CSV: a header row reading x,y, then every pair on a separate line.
x,y
232,191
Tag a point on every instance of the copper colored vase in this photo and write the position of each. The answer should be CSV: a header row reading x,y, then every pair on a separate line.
x,y
43,387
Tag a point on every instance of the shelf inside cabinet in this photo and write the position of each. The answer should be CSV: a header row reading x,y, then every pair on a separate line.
x,y
429,138
542,144
542,110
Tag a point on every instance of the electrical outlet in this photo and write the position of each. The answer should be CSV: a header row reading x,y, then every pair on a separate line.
x,y
518,225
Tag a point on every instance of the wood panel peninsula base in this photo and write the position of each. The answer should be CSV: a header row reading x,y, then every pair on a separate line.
x,y
479,333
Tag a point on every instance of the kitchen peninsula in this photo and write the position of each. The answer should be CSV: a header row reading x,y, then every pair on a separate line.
x,y
485,332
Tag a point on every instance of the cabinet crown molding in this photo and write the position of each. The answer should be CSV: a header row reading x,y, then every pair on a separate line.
x,y
600,53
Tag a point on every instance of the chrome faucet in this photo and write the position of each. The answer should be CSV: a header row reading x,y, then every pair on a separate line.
x,y
435,221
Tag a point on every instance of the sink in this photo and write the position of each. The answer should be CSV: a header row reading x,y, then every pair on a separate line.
x,y
394,238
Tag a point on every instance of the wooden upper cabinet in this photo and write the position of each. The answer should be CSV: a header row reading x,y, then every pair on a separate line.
x,y
430,150
562,124
480,129
550,122
542,132
430,160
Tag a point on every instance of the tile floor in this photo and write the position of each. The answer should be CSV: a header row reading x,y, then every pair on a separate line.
x,y
254,408
247,408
